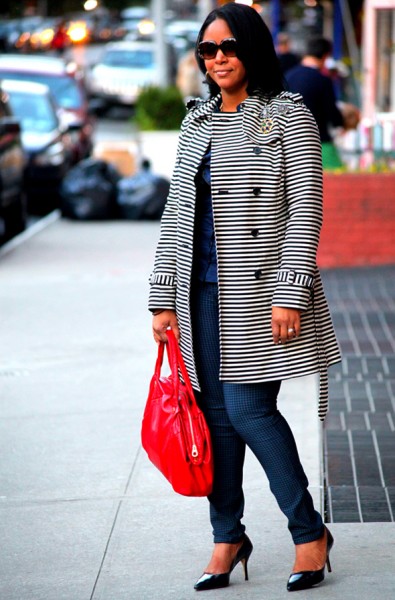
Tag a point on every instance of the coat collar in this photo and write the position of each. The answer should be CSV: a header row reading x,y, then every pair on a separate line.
x,y
200,108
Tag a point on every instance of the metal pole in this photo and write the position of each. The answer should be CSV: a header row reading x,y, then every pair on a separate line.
x,y
158,14
275,18
369,53
204,7
352,48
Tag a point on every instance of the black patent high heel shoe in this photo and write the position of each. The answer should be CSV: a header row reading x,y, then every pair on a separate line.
x,y
212,581
307,579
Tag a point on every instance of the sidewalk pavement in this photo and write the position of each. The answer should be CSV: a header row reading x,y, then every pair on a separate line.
x,y
84,514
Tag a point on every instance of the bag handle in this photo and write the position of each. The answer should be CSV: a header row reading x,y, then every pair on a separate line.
x,y
175,361
174,352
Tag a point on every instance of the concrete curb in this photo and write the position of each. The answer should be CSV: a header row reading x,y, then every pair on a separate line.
x,y
16,241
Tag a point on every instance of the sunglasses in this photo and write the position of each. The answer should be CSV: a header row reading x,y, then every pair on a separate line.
x,y
208,50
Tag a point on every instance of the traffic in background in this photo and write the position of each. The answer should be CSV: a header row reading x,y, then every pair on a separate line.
x,y
64,82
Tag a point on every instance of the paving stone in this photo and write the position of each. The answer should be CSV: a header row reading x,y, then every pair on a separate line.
x,y
380,391
334,371
374,366
336,389
362,393
385,346
338,320
347,347
355,420
359,396
374,504
333,421
338,404
386,443
363,442
391,496
387,465
339,470
337,442
379,422
391,365
343,504
367,470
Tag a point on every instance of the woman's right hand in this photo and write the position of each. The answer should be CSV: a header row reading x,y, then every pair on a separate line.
x,y
161,322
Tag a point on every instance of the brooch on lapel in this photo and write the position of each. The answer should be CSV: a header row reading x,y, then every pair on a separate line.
x,y
267,123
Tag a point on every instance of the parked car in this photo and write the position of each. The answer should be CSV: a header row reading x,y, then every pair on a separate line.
x,y
182,35
12,168
66,83
7,28
45,140
26,26
131,17
124,69
107,29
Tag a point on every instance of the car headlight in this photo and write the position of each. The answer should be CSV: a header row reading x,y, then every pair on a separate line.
x,y
52,156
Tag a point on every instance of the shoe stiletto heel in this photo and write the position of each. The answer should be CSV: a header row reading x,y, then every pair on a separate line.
x,y
244,562
211,581
307,579
328,562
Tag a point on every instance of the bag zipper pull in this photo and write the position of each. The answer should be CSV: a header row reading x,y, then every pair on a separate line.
x,y
194,452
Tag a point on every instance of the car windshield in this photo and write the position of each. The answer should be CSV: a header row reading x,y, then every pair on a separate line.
x,y
64,89
137,59
33,111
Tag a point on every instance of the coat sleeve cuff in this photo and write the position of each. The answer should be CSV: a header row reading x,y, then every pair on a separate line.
x,y
162,279
293,289
162,292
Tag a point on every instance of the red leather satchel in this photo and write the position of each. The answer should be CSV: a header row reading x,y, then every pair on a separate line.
x,y
174,431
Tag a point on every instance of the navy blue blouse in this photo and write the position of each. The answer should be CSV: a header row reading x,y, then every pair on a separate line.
x,y
205,251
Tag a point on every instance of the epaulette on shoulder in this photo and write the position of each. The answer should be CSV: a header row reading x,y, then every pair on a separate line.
x,y
293,98
194,103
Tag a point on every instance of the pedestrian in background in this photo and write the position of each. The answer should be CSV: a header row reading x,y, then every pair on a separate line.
x,y
318,94
286,57
59,40
235,278
189,77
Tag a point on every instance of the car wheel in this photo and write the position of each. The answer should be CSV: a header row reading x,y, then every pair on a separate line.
x,y
15,217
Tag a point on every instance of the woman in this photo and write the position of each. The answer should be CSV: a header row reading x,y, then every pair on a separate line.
x,y
235,278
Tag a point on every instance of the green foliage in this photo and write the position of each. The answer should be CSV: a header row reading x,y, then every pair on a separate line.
x,y
159,108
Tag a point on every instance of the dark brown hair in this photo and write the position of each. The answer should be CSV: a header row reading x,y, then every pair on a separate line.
x,y
255,48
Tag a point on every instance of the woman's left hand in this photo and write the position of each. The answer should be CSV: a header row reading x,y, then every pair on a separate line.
x,y
285,324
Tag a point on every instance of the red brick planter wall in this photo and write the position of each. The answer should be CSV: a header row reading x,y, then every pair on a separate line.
x,y
359,220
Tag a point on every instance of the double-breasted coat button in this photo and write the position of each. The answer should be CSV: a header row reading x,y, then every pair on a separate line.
x,y
257,150
256,191
258,274
254,232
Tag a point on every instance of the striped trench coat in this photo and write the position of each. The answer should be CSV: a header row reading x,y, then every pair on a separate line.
x,y
266,183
